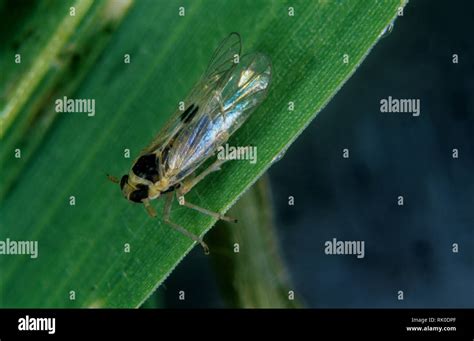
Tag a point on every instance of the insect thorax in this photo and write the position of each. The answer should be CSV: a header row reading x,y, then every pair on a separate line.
x,y
146,167
146,171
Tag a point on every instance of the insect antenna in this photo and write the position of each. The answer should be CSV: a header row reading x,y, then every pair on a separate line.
x,y
112,178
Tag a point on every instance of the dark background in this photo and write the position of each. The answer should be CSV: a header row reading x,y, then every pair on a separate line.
x,y
407,247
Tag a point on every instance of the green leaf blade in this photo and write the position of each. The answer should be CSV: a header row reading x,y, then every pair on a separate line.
x,y
82,247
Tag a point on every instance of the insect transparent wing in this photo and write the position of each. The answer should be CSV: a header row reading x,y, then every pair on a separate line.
x,y
221,64
246,89
223,61
241,92
225,58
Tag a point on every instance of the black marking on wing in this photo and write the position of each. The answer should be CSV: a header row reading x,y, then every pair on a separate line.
x,y
165,151
186,112
146,168
189,113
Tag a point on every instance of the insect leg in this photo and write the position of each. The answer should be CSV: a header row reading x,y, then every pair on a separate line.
x,y
188,184
216,215
166,218
151,211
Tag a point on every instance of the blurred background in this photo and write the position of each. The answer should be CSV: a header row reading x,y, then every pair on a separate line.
x,y
407,247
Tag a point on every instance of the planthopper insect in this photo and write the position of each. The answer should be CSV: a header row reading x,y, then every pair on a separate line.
x,y
230,89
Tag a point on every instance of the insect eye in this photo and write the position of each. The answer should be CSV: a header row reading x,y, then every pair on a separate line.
x,y
139,194
123,181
